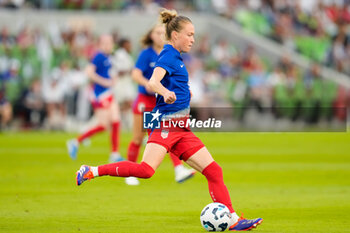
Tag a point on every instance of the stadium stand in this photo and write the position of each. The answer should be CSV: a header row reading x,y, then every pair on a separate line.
x,y
224,71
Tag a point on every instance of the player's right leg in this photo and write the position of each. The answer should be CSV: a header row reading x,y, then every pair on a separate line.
x,y
152,157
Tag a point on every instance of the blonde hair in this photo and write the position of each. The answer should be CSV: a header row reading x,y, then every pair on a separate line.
x,y
172,21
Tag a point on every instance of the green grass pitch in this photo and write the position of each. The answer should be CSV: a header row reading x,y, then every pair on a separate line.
x,y
297,182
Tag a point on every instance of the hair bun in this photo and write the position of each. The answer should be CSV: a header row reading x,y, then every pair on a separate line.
x,y
167,15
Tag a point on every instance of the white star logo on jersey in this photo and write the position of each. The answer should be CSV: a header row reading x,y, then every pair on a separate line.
x,y
156,115
182,65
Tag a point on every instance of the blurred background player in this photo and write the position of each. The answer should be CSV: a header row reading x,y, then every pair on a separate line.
x,y
106,109
5,108
170,81
54,92
125,91
153,43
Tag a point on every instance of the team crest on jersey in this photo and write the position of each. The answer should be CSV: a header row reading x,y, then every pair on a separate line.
x,y
164,134
152,64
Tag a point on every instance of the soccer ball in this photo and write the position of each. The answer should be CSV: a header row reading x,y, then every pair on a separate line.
x,y
216,217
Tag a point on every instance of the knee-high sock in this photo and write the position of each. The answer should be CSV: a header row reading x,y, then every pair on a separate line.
x,y
133,152
176,161
126,169
90,132
115,136
217,189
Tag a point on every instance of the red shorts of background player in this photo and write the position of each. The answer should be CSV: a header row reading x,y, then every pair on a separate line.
x,y
180,141
104,102
143,102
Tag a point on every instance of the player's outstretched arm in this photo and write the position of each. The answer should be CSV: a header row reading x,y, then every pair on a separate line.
x,y
91,73
155,85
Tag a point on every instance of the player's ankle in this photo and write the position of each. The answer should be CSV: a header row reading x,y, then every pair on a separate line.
x,y
235,217
94,171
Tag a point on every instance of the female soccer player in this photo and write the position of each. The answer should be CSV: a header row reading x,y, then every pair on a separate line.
x,y
153,42
106,109
170,81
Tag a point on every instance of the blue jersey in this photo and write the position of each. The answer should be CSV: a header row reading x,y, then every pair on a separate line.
x,y
175,79
103,65
146,62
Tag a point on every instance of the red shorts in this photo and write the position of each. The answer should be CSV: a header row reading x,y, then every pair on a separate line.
x,y
143,102
104,102
180,141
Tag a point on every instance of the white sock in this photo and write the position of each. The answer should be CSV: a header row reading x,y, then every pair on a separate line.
x,y
94,171
235,217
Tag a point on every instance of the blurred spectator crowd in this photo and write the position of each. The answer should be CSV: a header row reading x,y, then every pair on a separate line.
x,y
318,29
120,5
43,84
42,79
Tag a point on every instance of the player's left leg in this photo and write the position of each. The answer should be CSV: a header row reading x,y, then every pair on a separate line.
x,y
152,157
203,162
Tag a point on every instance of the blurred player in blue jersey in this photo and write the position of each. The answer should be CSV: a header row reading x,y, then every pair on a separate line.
x,y
153,42
170,81
106,109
